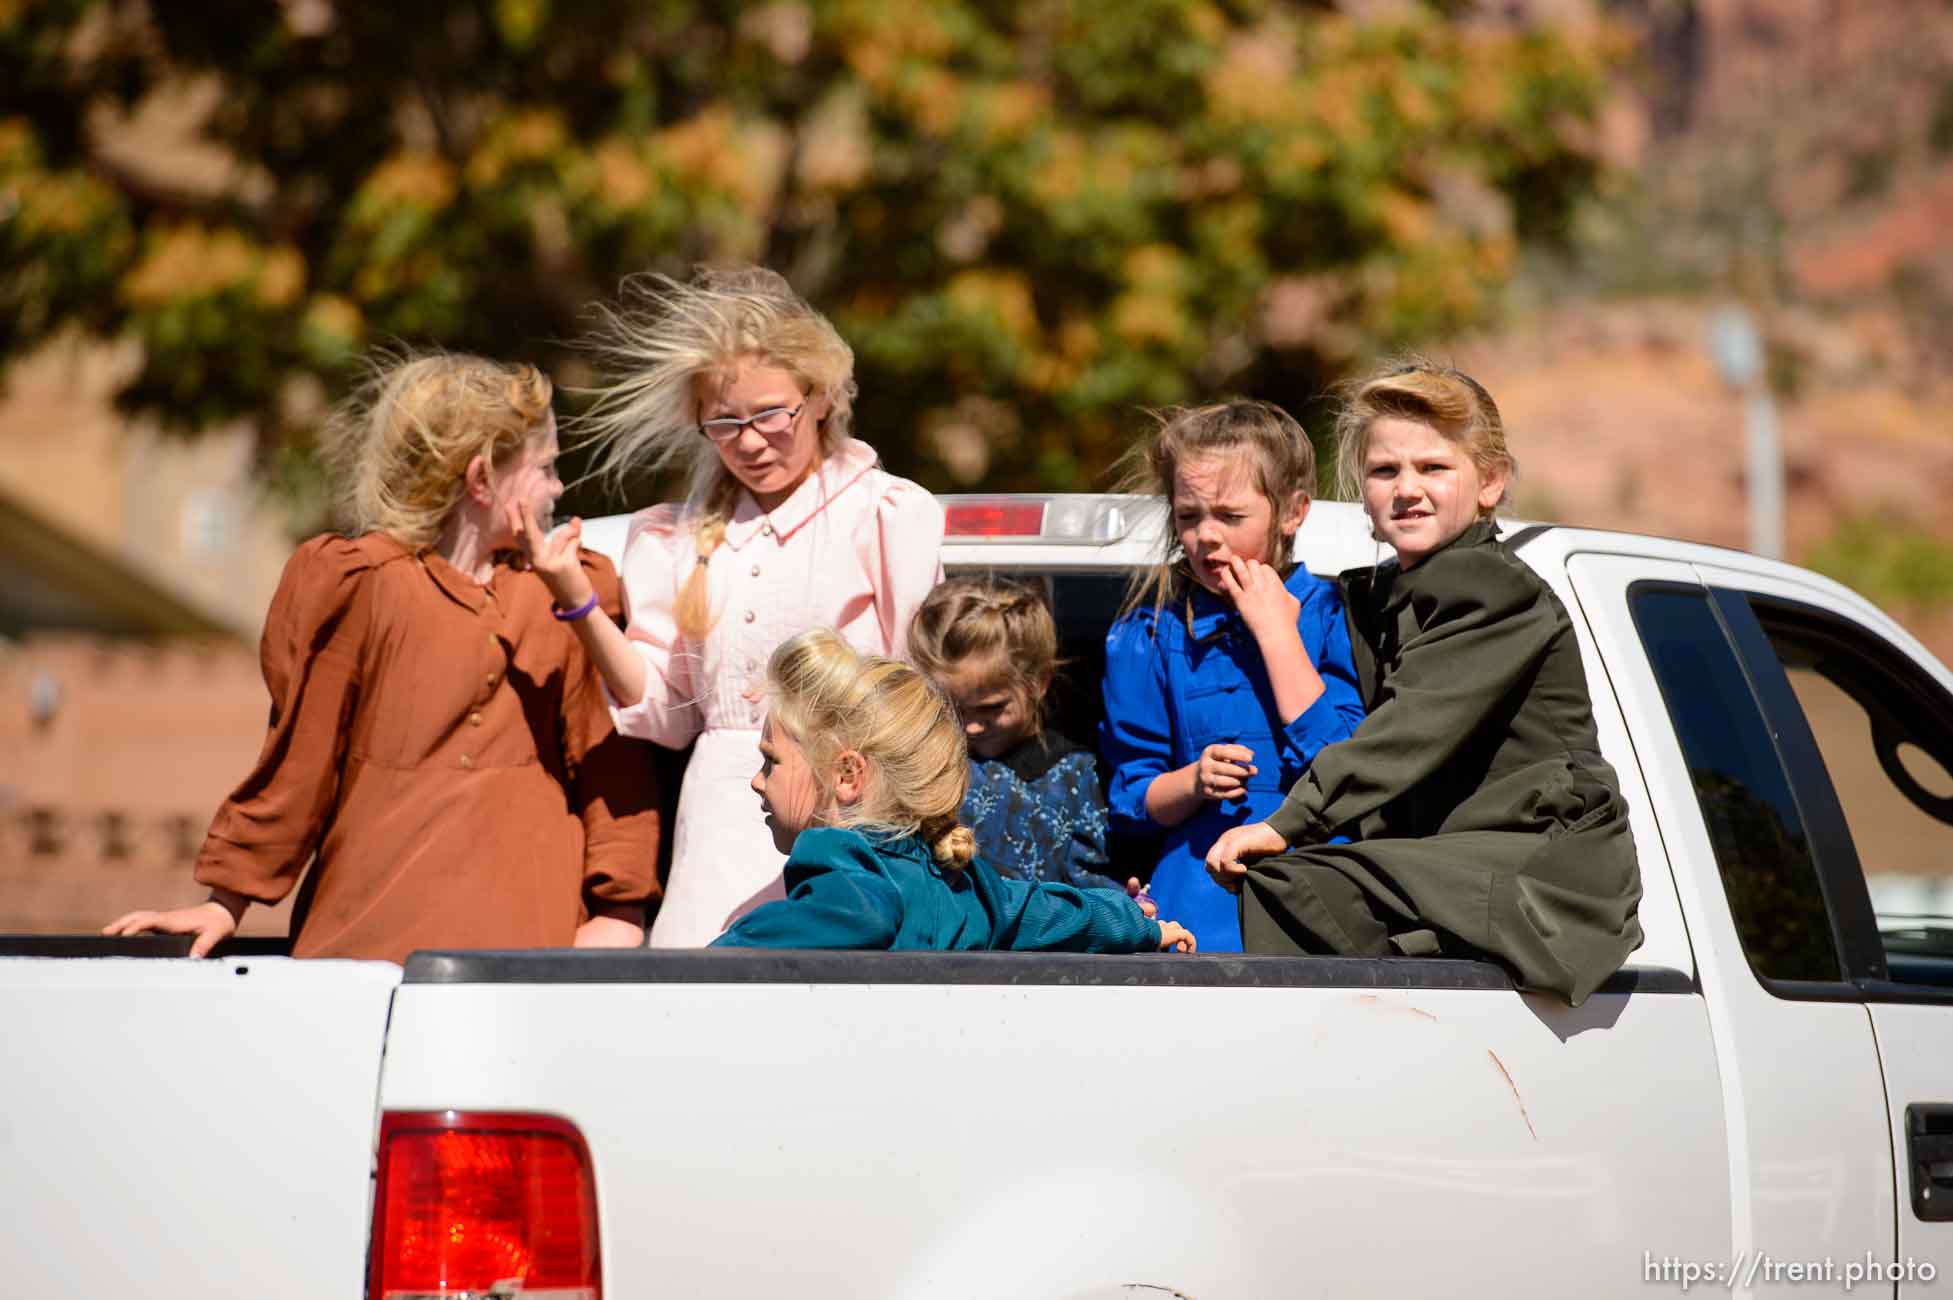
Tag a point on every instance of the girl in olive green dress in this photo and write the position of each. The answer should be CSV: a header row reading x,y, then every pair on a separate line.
x,y
1482,820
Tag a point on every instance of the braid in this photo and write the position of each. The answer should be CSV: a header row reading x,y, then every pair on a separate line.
x,y
694,598
998,625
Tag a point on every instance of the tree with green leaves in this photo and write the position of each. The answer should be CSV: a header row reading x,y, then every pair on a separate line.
x,y
1030,217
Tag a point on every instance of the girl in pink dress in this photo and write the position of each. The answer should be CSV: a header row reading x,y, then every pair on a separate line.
x,y
789,524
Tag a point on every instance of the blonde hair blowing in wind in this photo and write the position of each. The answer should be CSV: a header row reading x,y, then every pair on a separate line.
x,y
664,334
397,450
829,698
1413,388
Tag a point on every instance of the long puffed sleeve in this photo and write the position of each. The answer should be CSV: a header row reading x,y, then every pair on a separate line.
x,y
1032,916
837,897
1473,647
901,549
265,833
1136,737
613,782
658,559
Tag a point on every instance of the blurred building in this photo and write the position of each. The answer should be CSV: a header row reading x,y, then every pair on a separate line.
x,y
134,573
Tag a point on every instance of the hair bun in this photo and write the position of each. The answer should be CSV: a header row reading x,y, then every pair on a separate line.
x,y
956,847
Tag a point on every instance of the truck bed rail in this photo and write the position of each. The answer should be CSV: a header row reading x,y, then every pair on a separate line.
x,y
1220,970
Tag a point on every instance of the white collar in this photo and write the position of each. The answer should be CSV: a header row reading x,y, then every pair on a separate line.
x,y
833,476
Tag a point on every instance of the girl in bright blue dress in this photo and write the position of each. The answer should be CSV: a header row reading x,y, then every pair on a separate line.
x,y
1232,664
862,772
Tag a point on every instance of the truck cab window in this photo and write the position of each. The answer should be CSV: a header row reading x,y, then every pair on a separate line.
x,y
1084,606
1761,844
1884,728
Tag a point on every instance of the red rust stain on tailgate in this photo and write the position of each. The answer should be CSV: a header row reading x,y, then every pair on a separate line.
x,y
1372,1000
1506,1074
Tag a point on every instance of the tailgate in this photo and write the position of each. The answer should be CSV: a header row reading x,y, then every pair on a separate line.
x,y
944,1125
188,1128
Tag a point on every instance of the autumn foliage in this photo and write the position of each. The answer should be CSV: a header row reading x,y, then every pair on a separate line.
x,y
1030,217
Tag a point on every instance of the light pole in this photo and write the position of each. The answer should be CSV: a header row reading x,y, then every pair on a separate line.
x,y
1738,353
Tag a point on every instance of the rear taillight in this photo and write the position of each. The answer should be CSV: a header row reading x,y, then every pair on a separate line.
x,y
477,1204
993,518
1065,520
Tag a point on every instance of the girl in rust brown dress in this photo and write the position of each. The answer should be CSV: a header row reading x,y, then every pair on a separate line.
x,y
439,749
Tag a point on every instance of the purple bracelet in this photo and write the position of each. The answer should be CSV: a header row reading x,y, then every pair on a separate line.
x,y
572,615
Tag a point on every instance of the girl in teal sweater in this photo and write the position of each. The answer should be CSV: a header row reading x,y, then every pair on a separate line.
x,y
863,767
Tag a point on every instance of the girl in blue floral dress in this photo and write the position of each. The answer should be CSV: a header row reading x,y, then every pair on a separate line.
x,y
1034,801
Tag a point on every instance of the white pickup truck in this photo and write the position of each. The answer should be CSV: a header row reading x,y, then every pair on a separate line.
x,y
1762,1101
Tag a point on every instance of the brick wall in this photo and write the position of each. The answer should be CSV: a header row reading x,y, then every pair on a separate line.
x,y
113,756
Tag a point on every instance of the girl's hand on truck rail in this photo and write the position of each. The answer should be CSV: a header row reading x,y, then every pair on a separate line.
x,y
609,932
211,923
1175,937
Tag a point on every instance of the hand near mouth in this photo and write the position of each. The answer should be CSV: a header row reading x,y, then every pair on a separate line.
x,y
1265,604
553,555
